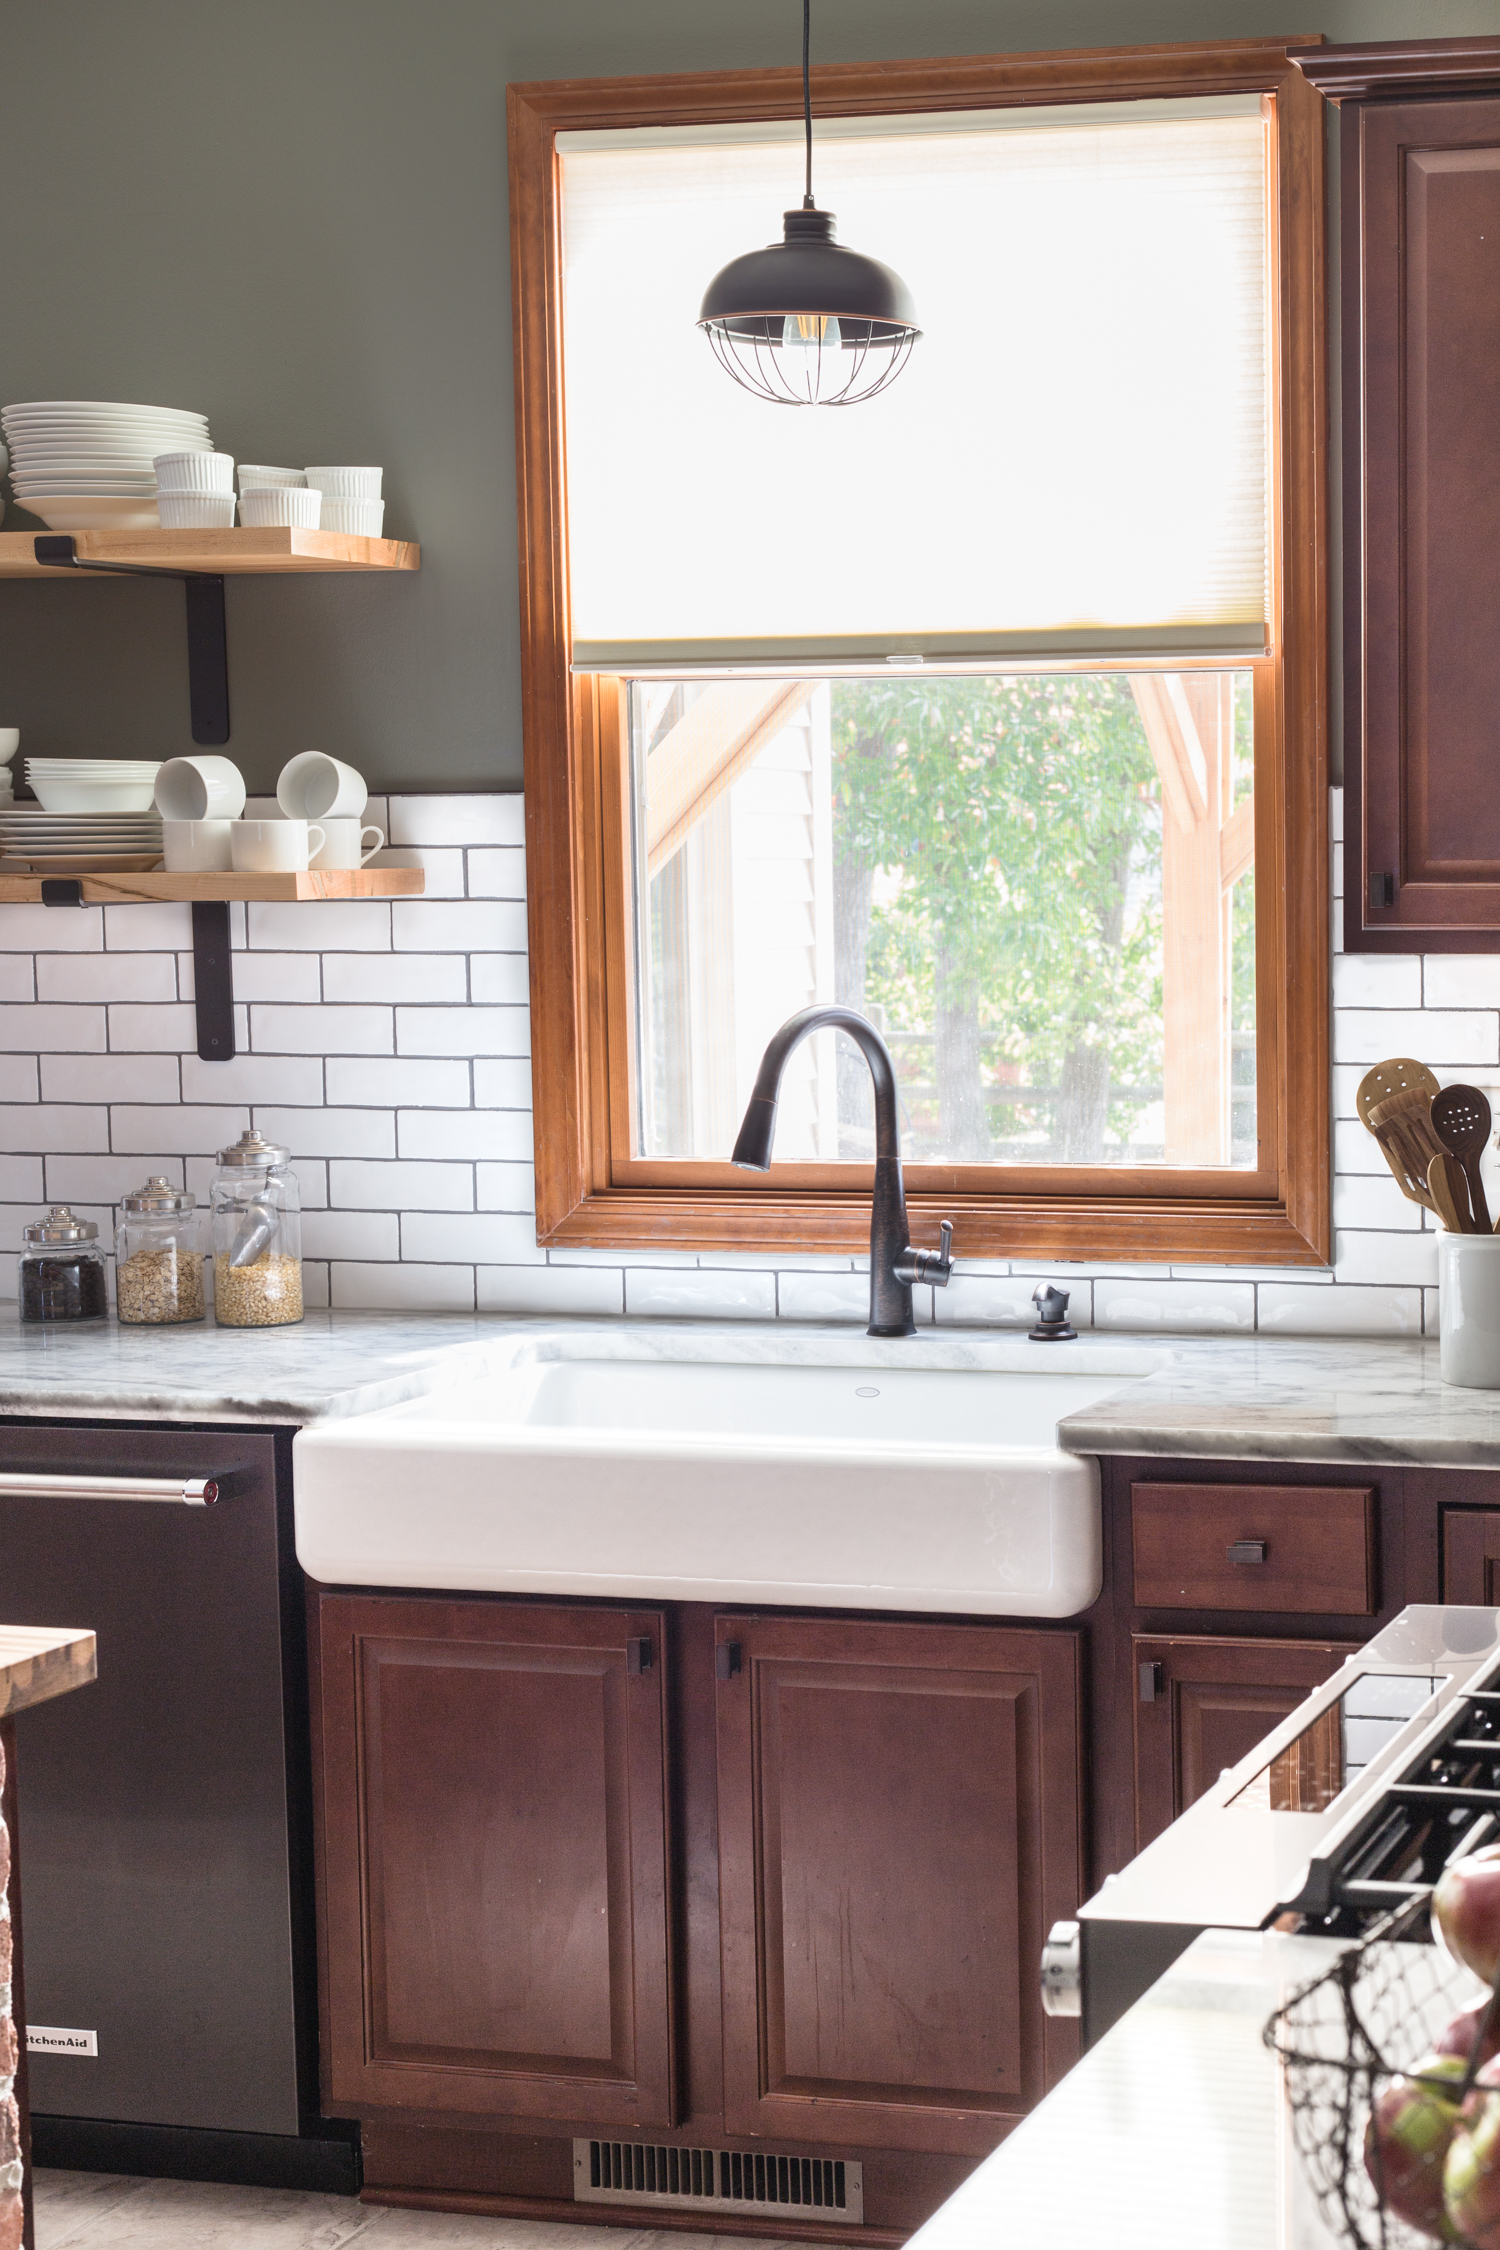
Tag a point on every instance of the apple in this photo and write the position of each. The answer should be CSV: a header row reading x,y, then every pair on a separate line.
x,y
1471,2174
1466,1912
1459,2037
1407,2140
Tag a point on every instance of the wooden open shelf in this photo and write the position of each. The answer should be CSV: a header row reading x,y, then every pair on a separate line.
x,y
274,550
134,890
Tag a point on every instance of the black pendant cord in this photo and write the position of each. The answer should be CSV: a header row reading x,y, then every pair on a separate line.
x,y
807,198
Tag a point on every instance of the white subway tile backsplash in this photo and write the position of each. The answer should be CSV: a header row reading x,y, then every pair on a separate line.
x,y
402,1187
502,1084
356,925
551,1289
420,925
458,820
388,1044
255,1078
428,977
470,1237
23,1030
384,1081
459,1134
463,1031
403,1287
501,979
321,1031
497,874
699,1296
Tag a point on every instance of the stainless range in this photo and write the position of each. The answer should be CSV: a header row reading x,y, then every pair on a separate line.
x,y
1353,1803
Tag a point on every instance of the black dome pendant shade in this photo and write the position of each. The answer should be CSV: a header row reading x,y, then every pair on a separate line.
x,y
806,322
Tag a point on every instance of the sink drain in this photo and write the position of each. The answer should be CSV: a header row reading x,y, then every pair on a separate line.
x,y
866,1390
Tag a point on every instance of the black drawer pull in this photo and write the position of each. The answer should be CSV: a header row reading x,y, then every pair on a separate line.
x,y
1246,1551
638,1655
727,1660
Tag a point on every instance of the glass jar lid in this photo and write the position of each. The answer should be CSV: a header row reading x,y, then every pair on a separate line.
x,y
251,1154
159,1198
60,1225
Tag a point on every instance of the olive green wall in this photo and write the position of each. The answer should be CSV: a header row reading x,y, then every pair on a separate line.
x,y
291,215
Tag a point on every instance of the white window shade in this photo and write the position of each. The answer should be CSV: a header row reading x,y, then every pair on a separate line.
x,y
1075,458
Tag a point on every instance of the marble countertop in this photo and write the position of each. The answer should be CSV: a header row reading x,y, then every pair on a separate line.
x,y
1344,1399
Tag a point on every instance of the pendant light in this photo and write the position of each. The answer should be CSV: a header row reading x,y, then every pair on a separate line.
x,y
806,322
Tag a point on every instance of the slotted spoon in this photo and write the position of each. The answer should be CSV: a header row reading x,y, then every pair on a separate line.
x,y
1461,1120
1398,1076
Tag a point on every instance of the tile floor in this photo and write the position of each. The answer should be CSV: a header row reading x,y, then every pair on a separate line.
x,y
98,2211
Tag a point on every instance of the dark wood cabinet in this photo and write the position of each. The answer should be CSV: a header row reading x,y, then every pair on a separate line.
x,y
1471,1556
898,1827
495,1864
1420,271
1202,1703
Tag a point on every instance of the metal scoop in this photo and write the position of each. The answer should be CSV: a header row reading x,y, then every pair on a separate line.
x,y
259,1224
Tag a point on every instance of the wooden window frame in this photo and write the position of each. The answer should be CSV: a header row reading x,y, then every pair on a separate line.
x,y
589,1190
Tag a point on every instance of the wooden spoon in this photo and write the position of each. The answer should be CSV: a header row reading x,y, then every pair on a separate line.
x,y
1461,1120
1450,1197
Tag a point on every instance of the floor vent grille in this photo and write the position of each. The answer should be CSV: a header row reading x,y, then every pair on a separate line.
x,y
706,2179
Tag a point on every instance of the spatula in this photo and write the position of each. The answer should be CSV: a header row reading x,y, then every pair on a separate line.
x,y
1461,1120
1402,1124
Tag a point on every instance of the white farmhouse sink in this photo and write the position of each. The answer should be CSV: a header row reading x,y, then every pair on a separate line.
x,y
590,1464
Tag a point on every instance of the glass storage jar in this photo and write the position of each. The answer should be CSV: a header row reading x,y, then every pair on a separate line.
x,y
257,1226
62,1270
158,1263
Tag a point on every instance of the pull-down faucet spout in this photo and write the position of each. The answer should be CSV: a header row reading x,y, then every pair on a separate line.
x,y
894,1266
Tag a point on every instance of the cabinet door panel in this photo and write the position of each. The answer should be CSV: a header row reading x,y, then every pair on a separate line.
x,y
496,1925
1422,538
1471,1556
1214,1701
898,1826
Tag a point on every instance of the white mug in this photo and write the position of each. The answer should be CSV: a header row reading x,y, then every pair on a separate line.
x,y
345,846
273,847
201,788
196,847
317,787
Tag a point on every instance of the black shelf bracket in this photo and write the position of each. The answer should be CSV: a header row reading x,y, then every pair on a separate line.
x,y
207,642
213,979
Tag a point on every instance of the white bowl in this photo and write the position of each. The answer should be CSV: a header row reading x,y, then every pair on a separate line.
x,y
281,504
195,511
94,796
106,512
194,472
362,517
10,743
254,476
92,408
347,484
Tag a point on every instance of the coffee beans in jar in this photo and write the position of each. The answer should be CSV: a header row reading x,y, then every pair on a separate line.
x,y
61,1276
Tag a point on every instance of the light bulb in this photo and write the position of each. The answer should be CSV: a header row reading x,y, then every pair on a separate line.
x,y
810,332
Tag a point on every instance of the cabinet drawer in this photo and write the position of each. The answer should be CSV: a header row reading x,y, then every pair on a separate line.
x,y
1306,1548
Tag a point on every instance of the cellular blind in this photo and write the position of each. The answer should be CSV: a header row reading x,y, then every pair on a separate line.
x,y
1074,460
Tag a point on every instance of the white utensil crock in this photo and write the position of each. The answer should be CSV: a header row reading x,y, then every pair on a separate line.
x,y
1469,1310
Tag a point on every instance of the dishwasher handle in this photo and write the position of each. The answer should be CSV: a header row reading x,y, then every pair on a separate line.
x,y
190,1492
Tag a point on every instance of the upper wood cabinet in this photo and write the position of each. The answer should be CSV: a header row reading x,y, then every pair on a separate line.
x,y
1420,267
898,1828
493,1788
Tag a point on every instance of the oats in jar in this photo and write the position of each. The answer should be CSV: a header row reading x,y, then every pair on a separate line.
x,y
160,1286
267,1294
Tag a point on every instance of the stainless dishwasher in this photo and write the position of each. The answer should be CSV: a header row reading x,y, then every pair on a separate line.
x,y
164,1855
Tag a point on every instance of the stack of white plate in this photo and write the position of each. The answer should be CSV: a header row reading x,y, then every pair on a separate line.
x,y
85,465
41,838
94,785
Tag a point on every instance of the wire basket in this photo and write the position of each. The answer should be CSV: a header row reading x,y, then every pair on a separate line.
x,y
1341,2038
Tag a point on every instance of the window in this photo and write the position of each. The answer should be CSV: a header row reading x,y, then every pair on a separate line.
x,y
993,708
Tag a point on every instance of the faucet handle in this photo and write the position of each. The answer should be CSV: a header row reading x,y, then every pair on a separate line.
x,y
934,1266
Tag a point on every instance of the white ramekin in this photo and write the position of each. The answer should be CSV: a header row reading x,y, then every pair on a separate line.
x,y
195,511
347,484
255,473
265,505
363,517
1469,1310
194,472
